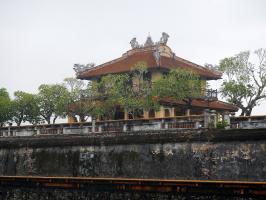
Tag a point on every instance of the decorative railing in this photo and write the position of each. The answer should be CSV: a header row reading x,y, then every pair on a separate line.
x,y
248,122
181,125
211,94
182,122
132,125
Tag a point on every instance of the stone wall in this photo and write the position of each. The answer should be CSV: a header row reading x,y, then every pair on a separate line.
x,y
177,154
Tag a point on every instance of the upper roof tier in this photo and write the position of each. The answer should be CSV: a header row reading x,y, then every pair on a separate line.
x,y
156,56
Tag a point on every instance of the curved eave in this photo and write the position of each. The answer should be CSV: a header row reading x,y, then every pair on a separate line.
x,y
200,103
127,62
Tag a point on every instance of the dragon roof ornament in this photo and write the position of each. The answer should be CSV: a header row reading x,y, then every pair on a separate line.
x,y
149,42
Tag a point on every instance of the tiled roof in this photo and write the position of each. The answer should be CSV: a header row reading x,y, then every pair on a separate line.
x,y
200,103
129,59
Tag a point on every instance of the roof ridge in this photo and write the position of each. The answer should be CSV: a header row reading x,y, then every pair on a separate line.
x,y
195,65
226,103
124,56
106,63
148,53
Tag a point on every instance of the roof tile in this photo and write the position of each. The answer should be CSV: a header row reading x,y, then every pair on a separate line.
x,y
129,59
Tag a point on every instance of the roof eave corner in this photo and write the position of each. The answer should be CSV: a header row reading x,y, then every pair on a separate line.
x,y
219,77
216,75
80,76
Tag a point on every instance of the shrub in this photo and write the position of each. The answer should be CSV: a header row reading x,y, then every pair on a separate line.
x,y
221,124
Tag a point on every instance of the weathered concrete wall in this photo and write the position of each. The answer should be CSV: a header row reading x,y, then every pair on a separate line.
x,y
226,155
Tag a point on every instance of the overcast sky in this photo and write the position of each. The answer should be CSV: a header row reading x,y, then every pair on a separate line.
x,y
41,40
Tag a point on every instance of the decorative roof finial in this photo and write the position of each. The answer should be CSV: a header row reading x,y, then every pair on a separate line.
x,y
149,42
164,38
134,44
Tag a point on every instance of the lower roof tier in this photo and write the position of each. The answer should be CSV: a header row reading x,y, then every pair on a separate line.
x,y
200,103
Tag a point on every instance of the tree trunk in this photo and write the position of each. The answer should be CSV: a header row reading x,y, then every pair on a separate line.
x,y
18,122
248,113
54,119
46,118
244,111
75,119
81,118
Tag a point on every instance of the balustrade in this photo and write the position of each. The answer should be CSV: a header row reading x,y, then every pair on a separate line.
x,y
188,122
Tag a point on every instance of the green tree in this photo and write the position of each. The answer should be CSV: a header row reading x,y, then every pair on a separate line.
x,y
108,93
131,92
135,92
5,107
178,84
25,108
53,101
77,93
75,87
245,81
141,93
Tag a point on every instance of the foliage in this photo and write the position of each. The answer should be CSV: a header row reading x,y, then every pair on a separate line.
x,y
178,84
108,93
141,94
130,91
53,101
25,108
5,106
245,82
76,95
221,124
135,92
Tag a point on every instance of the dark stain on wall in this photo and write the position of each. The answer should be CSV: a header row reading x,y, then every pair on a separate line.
x,y
187,154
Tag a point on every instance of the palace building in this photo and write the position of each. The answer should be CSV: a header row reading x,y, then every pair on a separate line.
x,y
160,59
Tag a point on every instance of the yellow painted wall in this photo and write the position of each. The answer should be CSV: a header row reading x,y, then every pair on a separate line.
x,y
125,115
160,112
146,115
172,112
203,86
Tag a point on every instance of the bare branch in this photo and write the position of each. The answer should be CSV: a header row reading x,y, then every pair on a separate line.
x,y
247,81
